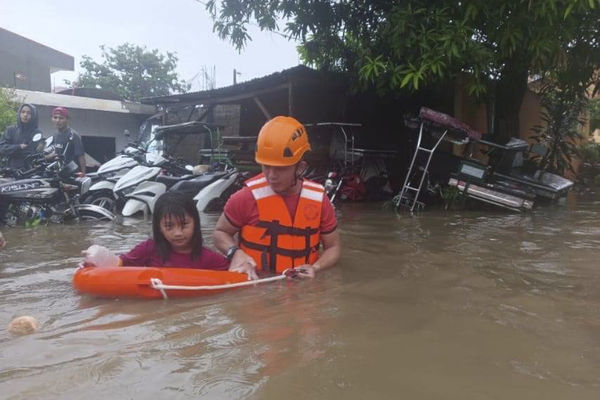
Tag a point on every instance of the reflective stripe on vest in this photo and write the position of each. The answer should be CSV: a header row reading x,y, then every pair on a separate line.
x,y
277,242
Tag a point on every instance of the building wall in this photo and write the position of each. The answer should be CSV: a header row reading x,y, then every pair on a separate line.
x,y
228,115
530,115
95,123
31,60
36,76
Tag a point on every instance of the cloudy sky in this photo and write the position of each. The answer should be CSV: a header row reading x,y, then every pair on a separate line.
x,y
79,27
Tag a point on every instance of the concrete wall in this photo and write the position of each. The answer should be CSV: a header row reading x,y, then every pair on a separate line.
x,y
90,117
95,123
33,61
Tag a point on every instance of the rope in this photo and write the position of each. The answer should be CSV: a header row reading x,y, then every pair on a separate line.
x,y
157,284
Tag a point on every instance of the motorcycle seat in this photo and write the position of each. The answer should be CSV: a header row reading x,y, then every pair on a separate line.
x,y
194,185
169,180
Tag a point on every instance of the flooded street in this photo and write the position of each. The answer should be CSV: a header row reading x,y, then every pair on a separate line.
x,y
446,305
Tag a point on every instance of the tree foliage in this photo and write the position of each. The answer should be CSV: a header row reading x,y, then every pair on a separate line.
x,y
133,72
8,109
560,131
411,44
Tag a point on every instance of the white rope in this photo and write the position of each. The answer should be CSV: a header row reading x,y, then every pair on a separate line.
x,y
157,284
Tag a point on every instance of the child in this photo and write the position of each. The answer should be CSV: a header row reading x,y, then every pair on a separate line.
x,y
177,241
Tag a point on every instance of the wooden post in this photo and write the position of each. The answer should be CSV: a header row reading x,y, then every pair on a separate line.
x,y
262,108
290,100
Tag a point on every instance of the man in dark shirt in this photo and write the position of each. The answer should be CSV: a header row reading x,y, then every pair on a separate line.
x,y
66,141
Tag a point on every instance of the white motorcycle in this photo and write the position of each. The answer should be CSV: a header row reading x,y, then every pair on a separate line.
x,y
215,191
205,189
141,187
101,192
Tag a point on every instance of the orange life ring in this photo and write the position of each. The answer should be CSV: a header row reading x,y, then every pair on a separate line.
x,y
136,281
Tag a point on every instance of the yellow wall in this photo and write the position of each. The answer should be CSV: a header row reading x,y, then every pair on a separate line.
x,y
473,113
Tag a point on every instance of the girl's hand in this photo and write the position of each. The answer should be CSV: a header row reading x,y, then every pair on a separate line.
x,y
99,256
2,241
243,263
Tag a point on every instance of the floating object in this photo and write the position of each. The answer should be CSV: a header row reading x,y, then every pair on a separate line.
x,y
23,325
158,282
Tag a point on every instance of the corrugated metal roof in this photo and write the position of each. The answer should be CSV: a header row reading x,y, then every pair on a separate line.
x,y
85,103
232,94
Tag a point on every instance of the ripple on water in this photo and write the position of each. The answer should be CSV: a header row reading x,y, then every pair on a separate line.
x,y
228,386
513,287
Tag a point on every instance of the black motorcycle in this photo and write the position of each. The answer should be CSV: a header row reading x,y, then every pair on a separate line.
x,y
52,194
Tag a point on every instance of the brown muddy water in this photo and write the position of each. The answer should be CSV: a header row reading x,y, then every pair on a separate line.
x,y
446,305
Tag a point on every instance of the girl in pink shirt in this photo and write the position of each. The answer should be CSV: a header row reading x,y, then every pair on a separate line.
x,y
177,240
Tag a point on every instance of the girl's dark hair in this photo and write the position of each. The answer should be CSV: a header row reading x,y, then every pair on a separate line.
x,y
176,205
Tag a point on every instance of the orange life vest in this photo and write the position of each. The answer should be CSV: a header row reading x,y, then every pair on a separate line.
x,y
277,242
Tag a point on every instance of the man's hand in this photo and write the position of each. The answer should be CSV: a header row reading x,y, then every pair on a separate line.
x,y
306,271
23,146
51,156
243,263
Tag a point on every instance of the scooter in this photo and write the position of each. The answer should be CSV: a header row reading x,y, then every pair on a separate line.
x,y
141,187
101,192
104,180
203,189
216,191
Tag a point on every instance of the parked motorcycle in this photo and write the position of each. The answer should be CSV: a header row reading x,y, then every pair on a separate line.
x,y
52,196
345,185
141,187
104,180
31,161
214,195
207,189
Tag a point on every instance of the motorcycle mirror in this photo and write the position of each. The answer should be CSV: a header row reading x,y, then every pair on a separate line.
x,y
36,138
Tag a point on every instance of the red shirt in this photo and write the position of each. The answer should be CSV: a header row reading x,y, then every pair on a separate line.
x,y
145,254
241,210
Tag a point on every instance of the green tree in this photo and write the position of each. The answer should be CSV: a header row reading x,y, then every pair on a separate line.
x,y
560,131
407,45
132,72
8,109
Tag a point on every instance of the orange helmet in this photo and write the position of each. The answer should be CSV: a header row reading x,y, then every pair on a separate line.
x,y
281,142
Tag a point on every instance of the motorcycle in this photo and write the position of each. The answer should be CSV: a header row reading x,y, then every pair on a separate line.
x,y
51,196
214,195
109,173
10,174
345,185
141,187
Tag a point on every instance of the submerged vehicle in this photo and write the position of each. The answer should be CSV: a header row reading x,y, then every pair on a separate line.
x,y
509,179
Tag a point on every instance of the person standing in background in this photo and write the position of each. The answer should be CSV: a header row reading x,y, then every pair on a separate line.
x,y
16,143
66,135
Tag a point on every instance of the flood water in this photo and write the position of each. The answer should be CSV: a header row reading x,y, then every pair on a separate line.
x,y
445,305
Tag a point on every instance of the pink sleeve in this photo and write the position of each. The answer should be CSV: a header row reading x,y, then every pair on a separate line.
x,y
214,260
328,218
239,206
139,255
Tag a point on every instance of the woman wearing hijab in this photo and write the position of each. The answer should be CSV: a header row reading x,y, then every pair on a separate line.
x,y
16,143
